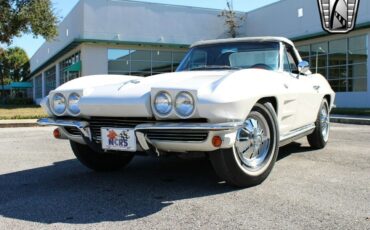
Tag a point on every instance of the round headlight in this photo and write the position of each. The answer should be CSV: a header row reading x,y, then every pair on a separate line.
x,y
163,103
59,104
73,100
184,104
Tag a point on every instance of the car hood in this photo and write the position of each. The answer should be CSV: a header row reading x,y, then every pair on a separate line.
x,y
131,95
138,86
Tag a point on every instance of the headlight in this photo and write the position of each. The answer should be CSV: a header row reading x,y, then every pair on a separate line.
x,y
163,103
73,100
58,104
184,104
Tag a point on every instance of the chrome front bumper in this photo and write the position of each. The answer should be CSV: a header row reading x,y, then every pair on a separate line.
x,y
227,131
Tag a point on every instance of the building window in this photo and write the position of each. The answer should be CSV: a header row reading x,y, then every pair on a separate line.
x,y
304,51
38,86
343,62
143,62
50,80
70,68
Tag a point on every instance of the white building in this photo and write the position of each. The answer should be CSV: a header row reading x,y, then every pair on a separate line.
x,y
130,37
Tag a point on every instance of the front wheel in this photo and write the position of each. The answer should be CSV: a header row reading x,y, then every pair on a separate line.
x,y
319,138
101,162
254,153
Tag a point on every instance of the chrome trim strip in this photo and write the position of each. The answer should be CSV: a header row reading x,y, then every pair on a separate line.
x,y
191,126
297,132
81,125
67,123
158,126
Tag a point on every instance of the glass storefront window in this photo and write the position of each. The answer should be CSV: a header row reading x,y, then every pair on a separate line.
x,y
338,46
357,43
338,52
140,55
304,51
116,54
143,62
176,59
119,67
68,73
320,60
50,80
343,62
357,85
319,48
322,71
337,72
161,67
141,66
357,56
38,86
357,71
338,85
159,56
337,59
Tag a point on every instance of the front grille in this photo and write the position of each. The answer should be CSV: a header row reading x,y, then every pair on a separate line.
x,y
96,123
73,131
177,135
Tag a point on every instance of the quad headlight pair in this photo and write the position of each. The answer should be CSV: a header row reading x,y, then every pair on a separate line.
x,y
59,104
184,104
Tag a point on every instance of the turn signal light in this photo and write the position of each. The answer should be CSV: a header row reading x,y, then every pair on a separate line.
x,y
217,141
56,133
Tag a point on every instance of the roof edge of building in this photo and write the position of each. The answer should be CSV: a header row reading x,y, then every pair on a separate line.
x,y
176,5
79,41
323,33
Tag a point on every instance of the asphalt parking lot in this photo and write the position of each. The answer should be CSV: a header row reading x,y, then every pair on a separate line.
x,y
42,185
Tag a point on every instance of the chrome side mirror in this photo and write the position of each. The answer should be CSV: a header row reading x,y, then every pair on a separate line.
x,y
303,67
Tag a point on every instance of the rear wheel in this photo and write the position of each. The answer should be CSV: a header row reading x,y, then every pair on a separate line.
x,y
319,138
100,161
253,156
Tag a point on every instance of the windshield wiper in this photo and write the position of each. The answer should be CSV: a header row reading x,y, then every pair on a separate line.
x,y
211,67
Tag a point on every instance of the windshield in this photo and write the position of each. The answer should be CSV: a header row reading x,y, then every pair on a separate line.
x,y
234,55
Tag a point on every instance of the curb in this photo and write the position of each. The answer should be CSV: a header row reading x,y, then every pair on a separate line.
x,y
350,120
18,123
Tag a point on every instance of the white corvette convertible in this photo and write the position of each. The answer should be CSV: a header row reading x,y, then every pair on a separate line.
x,y
237,100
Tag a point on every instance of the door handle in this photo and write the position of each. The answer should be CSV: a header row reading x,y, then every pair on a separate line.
x,y
316,87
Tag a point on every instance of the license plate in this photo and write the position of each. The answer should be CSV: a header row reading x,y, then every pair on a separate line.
x,y
118,139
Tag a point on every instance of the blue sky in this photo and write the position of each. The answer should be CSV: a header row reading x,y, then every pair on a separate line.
x,y
63,7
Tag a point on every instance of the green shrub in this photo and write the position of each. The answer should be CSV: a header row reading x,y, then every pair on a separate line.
x,y
19,101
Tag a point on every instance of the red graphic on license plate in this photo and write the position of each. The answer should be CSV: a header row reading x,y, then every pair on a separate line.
x,y
118,140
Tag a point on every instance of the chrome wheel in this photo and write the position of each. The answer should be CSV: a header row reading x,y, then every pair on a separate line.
x,y
320,136
253,142
325,122
254,153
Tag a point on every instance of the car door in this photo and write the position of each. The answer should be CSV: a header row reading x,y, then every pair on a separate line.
x,y
298,103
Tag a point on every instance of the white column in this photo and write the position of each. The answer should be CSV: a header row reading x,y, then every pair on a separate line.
x,y
43,84
57,75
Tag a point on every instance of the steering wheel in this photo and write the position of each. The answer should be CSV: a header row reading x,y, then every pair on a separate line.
x,y
262,66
